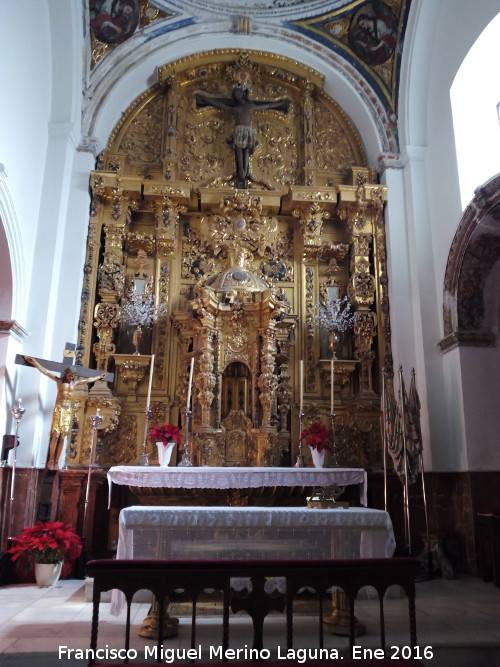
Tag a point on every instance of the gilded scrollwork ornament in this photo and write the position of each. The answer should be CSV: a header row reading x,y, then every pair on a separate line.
x,y
311,220
106,320
350,443
310,330
115,235
142,140
168,213
364,288
205,378
111,276
137,242
120,446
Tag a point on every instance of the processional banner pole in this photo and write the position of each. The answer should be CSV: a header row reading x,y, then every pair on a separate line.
x,y
385,417
414,402
403,417
17,412
96,420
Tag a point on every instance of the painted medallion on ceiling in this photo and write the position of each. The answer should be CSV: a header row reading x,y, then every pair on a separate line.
x,y
373,33
114,21
369,35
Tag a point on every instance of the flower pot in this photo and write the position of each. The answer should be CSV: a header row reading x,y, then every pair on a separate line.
x,y
318,457
164,453
47,574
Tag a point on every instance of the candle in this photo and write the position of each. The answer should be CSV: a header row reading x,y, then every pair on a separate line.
x,y
301,386
332,382
190,384
151,369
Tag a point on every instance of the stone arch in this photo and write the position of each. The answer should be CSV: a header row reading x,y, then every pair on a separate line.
x,y
163,134
12,283
131,68
469,293
12,295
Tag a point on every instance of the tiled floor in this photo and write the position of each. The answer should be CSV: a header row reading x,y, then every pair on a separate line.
x,y
459,619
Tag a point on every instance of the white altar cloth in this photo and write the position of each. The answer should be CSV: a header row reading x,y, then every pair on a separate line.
x,y
254,532
207,477
251,533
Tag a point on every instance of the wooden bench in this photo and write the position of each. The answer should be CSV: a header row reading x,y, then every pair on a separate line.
x,y
163,577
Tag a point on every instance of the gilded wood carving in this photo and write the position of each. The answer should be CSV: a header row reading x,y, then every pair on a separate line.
x,y
237,270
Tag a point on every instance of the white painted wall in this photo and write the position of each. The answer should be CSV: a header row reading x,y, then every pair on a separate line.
x,y
25,82
438,39
47,181
481,389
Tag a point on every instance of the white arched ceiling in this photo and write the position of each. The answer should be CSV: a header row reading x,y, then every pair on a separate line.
x,y
287,9
131,69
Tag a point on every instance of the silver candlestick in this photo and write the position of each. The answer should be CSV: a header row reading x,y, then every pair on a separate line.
x,y
17,412
299,463
185,461
333,443
144,459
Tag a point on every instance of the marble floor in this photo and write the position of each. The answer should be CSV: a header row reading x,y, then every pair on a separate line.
x,y
458,619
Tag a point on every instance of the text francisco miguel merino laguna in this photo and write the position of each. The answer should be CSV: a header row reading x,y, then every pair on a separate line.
x,y
169,655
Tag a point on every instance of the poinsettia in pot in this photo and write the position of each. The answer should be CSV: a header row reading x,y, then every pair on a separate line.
x,y
49,545
166,437
317,438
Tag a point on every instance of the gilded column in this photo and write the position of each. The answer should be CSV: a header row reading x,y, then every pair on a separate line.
x,y
171,128
362,289
308,115
362,205
267,381
205,377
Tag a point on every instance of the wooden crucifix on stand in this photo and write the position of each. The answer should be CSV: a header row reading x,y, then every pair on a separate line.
x,y
71,377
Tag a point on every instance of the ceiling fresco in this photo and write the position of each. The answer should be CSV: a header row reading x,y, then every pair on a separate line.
x,y
367,35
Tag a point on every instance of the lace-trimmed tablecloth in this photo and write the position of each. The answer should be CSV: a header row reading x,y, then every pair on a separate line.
x,y
235,478
252,533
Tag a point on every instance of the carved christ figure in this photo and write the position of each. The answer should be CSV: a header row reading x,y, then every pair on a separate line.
x,y
244,135
61,417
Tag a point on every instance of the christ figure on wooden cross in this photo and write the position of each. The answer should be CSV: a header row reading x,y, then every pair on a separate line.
x,y
61,417
244,135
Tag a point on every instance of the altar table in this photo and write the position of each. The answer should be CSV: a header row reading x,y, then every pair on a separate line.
x,y
252,533
206,477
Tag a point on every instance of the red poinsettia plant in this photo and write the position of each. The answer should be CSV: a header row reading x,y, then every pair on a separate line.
x,y
166,433
317,437
47,543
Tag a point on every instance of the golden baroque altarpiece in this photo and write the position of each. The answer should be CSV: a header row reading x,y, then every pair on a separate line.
x,y
238,271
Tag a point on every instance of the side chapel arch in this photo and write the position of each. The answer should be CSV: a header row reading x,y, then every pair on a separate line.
x,y
237,271
471,297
